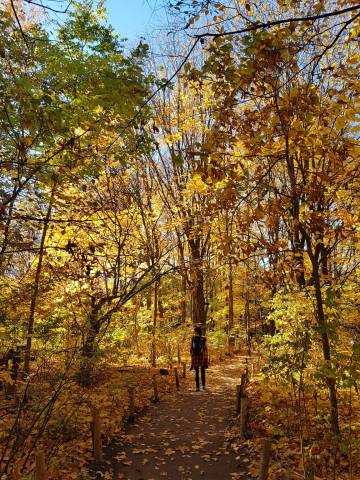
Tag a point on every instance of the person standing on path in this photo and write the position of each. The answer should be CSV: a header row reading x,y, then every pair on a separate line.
x,y
199,357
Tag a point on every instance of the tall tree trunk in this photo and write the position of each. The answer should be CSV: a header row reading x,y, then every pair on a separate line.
x,y
198,303
297,241
183,299
247,312
295,236
36,285
230,283
155,317
88,349
7,231
183,282
247,299
230,304
197,293
136,329
330,382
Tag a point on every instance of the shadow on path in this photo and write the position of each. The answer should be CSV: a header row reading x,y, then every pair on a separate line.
x,y
184,436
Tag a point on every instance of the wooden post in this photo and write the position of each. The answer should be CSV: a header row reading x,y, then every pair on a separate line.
x,y
310,473
243,417
16,473
243,384
177,383
40,467
131,417
238,399
96,430
265,459
184,369
178,354
240,392
155,387
246,372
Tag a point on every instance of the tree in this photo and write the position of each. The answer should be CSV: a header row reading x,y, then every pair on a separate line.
x,y
59,118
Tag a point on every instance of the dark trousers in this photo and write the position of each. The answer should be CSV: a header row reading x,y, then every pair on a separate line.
x,y
197,379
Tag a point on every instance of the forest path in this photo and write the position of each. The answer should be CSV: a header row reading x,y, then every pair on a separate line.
x,y
184,436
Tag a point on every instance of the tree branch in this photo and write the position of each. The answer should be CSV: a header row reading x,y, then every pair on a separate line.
x,y
19,23
46,7
278,22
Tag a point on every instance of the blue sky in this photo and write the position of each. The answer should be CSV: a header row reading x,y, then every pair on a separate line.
x,y
135,18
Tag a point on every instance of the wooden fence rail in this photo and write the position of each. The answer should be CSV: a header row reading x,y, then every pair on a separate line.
x,y
265,459
96,432
40,467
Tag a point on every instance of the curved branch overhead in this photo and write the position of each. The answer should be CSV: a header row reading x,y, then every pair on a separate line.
x,y
273,23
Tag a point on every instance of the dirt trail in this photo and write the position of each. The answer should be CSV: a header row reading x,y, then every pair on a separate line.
x,y
184,436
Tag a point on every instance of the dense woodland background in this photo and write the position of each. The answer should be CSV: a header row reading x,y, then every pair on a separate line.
x,y
216,184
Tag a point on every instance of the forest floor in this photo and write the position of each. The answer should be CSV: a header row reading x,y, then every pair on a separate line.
x,y
185,436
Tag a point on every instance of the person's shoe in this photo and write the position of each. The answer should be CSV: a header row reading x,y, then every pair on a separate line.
x,y
197,390
205,389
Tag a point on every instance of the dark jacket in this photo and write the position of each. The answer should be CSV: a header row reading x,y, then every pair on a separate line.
x,y
199,359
